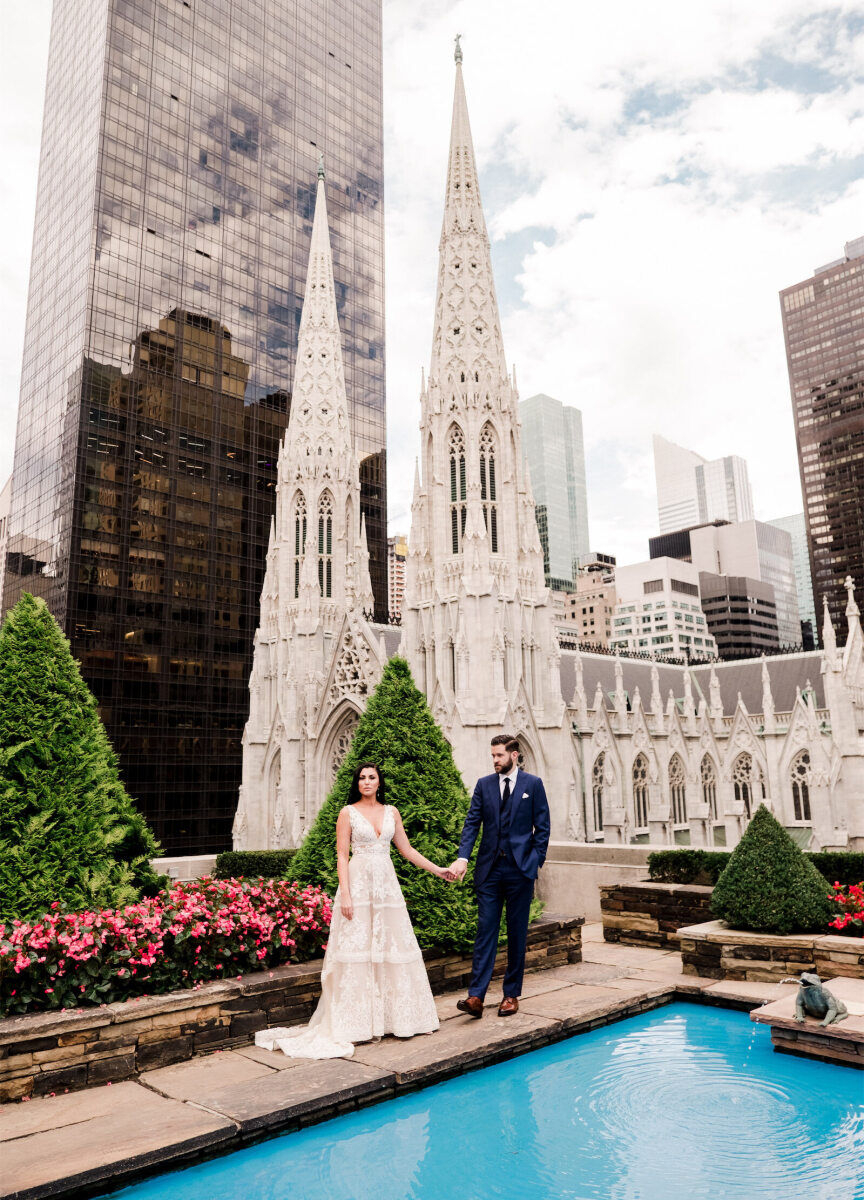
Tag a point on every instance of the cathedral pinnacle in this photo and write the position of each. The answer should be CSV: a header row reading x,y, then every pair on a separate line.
x,y
457,53
320,164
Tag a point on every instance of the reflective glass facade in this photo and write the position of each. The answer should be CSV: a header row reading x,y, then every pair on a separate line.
x,y
823,322
176,191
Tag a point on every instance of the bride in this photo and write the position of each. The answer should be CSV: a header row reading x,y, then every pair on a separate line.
x,y
373,980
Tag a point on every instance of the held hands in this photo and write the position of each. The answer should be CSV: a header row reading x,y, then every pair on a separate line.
x,y
456,870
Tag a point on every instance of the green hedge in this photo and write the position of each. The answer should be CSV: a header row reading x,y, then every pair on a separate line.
x,y
706,866
254,864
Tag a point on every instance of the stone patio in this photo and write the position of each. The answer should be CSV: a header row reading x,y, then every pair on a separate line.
x,y
82,1142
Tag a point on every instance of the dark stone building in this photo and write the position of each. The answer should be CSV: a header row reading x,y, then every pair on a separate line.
x,y
175,201
823,323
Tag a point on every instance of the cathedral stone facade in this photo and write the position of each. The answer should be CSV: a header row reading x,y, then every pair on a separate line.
x,y
630,750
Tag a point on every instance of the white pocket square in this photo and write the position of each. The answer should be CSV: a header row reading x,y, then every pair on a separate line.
x,y
524,795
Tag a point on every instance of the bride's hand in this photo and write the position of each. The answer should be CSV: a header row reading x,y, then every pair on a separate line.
x,y
444,873
347,909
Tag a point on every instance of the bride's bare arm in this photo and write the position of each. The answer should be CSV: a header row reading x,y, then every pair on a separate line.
x,y
343,846
400,841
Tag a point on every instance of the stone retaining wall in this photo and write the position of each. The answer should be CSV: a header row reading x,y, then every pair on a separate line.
x,y
713,950
650,914
43,1053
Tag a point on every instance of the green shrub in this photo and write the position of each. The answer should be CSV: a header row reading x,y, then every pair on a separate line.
x,y
69,832
769,885
839,866
257,864
398,732
687,866
706,866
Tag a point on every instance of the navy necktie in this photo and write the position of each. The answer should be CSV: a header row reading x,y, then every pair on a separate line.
x,y
504,821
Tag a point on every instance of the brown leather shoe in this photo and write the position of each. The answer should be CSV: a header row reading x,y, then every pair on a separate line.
x,y
508,1006
472,1005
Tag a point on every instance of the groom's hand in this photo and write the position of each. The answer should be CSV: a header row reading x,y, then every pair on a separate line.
x,y
458,868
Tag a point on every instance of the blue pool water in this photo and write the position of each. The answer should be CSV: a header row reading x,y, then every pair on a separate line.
x,y
684,1103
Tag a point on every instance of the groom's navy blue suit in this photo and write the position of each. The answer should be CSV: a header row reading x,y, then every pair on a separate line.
x,y
512,850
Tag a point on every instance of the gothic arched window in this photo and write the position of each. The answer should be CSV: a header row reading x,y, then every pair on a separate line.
x,y
458,489
597,790
299,539
742,781
325,544
678,790
640,791
489,486
709,786
800,772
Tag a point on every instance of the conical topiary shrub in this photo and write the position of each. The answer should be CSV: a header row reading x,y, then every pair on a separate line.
x,y
398,732
769,885
68,830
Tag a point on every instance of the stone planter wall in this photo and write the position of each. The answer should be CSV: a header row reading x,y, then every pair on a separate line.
x,y
650,914
75,1048
713,950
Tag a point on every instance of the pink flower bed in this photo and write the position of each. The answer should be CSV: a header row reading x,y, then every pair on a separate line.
x,y
850,900
194,932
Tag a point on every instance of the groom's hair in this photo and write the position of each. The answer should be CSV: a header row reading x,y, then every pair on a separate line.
x,y
506,740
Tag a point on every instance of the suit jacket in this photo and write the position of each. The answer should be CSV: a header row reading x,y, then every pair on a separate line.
x,y
529,824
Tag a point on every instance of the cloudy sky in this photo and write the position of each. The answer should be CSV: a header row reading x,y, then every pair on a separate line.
x,y
652,176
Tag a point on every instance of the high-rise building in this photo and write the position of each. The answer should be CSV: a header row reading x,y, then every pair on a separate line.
x,y
659,611
796,527
397,552
174,215
554,449
758,551
5,504
693,490
741,614
824,332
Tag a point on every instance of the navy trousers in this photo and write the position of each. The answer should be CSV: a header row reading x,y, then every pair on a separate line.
x,y
504,887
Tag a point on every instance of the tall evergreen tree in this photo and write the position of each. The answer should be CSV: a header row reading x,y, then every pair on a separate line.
x,y
68,829
770,885
398,732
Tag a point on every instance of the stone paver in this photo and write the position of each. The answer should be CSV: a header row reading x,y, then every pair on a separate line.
x,y
284,1097
459,1044
627,956
270,1058
186,1080
43,1152
583,1003
748,991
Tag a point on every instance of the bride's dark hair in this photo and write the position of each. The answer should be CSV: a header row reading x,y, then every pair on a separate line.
x,y
354,793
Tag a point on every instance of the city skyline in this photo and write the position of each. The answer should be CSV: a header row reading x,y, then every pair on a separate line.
x,y
722,157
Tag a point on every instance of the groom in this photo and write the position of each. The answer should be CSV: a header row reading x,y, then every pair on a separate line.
x,y
512,809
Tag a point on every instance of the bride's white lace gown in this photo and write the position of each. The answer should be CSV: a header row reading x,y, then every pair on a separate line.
x,y
373,981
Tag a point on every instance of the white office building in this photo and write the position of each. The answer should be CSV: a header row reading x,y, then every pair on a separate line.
x,y
692,489
659,610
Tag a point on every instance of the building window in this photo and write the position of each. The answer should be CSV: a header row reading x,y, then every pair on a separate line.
x,y
597,790
458,489
640,792
325,545
488,486
678,790
742,780
299,539
709,786
800,771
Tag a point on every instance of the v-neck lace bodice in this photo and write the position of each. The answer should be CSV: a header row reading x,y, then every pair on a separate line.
x,y
363,835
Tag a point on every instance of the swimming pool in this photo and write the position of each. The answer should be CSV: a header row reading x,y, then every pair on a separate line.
x,y
684,1102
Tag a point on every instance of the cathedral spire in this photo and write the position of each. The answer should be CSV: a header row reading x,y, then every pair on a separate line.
x,y
467,346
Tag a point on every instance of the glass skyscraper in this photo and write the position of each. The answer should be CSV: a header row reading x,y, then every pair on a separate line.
x,y
554,449
824,331
176,190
